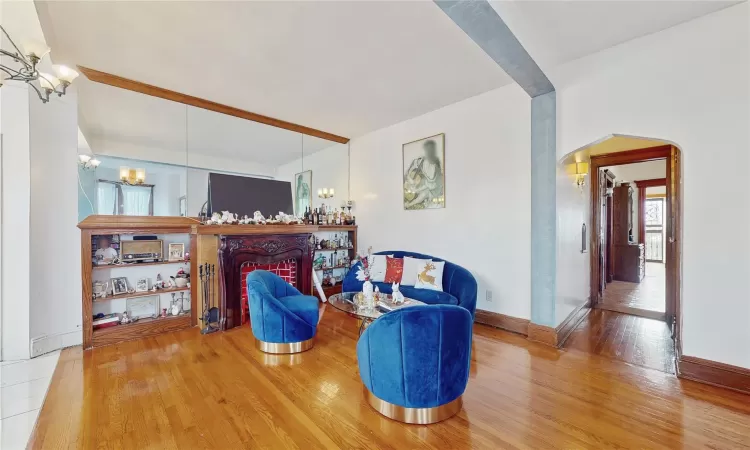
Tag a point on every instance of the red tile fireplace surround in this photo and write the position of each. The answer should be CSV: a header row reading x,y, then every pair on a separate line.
x,y
289,256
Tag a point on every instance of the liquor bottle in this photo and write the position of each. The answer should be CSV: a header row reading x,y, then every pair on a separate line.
x,y
315,217
320,217
338,218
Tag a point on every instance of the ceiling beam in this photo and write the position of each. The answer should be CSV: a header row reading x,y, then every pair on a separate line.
x,y
154,91
479,20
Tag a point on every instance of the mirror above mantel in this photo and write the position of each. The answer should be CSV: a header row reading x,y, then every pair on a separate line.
x,y
176,146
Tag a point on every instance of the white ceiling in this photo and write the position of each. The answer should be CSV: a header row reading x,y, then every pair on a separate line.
x,y
346,67
343,67
556,32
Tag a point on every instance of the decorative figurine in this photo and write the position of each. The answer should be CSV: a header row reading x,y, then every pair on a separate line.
x,y
229,218
258,218
124,319
164,312
397,296
176,305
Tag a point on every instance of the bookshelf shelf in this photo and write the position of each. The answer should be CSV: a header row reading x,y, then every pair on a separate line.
x,y
118,266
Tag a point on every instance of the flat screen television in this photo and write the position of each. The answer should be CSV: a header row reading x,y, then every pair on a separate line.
x,y
245,195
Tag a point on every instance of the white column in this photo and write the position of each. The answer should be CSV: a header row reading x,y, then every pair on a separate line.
x,y
15,183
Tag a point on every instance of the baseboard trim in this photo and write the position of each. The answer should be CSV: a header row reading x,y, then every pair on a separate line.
x,y
507,323
714,373
570,323
543,334
555,337
50,343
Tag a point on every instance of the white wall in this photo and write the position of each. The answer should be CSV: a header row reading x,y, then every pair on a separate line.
x,y
687,84
55,250
485,226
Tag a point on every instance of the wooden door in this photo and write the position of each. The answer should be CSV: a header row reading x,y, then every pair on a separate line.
x,y
674,240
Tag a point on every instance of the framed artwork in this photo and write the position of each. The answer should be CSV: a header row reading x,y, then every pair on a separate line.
x,y
141,285
424,173
142,307
119,285
176,252
302,192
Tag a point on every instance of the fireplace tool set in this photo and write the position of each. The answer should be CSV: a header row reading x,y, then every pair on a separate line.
x,y
210,318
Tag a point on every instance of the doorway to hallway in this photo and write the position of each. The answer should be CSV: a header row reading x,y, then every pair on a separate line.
x,y
635,254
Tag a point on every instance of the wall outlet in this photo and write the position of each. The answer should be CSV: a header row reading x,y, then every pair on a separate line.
x,y
488,295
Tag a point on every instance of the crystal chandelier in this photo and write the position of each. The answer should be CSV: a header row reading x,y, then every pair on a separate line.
x,y
26,70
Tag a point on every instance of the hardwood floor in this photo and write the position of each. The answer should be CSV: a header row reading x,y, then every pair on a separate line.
x,y
649,294
184,390
634,340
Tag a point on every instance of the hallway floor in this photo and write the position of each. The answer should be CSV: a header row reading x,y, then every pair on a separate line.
x,y
635,340
649,294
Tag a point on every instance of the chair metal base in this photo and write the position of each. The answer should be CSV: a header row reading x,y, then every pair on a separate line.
x,y
283,348
417,416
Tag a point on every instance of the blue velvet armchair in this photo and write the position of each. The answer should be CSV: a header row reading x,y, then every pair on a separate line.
x,y
459,285
414,362
283,320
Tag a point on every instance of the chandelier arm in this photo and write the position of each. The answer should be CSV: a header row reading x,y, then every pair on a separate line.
x,y
19,55
44,99
11,72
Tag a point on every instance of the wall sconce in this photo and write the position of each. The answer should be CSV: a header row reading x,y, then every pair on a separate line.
x,y
86,162
132,176
582,169
325,193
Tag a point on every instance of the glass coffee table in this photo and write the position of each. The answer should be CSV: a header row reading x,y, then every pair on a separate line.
x,y
345,302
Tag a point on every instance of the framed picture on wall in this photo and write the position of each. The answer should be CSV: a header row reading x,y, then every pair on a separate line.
x,y
424,173
302,192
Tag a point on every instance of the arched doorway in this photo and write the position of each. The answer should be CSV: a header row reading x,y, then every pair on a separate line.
x,y
617,249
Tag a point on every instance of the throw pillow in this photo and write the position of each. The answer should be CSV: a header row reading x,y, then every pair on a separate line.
x,y
377,268
412,266
394,269
430,276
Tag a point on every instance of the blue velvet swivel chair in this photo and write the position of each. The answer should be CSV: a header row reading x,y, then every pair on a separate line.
x,y
283,320
459,285
414,362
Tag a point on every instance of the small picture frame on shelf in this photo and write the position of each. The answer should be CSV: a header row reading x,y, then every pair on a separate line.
x,y
142,307
141,285
119,285
177,252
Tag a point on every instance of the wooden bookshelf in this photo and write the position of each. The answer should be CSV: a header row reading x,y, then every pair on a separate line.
x,y
98,225
117,266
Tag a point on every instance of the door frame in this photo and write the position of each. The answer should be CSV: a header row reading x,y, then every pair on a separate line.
x,y
673,246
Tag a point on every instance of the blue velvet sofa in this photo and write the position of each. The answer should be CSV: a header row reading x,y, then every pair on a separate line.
x,y
414,362
459,285
283,320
